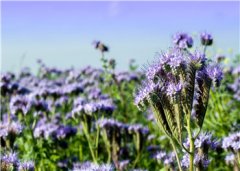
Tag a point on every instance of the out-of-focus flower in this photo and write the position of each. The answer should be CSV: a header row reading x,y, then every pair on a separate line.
x,y
26,166
232,142
20,104
92,167
99,45
206,39
168,159
230,159
9,161
123,164
205,141
199,161
183,40
215,73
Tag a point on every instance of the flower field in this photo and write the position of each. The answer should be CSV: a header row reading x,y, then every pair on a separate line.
x,y
180,112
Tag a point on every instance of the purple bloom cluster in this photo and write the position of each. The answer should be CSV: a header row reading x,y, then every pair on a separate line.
x,y
119,134
13,128
230,159
174,72
235,87
20,104
127,76
215,73
123,164
26,166
99,45
167,159
174,88
232,142
92,167
53,130
205,141
11,161
102,106
183,40
168,78
199,161
121,127
206,39
202,144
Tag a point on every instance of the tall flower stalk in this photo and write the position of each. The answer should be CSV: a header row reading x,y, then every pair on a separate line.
x,y
177,90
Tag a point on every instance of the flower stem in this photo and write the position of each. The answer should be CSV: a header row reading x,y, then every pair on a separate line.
x,y
85,130
191,154
175,150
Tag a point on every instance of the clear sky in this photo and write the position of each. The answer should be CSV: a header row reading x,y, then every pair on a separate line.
x,y
61,33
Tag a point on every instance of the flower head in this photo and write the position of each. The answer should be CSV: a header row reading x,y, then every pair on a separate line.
x,y
206,39
232,142
99,45
174,88
183,40
26,166
215,73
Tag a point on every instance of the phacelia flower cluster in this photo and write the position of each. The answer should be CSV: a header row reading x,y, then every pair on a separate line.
x,y
232,142
178,84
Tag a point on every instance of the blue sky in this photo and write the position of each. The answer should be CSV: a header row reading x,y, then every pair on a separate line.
x,y
61,33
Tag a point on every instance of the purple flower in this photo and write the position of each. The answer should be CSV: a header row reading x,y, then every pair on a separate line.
x,y
205,141
61,101
26,166
74,88
199,161
160,155
127,76
144,92
206,39
92,167
174,88
9,160
123,164
229,159
99,45
232,142
41,105
44,129
198,58
237,70
91,108
182,40
154,69
138,128
20,104
215,73
65,132
168,159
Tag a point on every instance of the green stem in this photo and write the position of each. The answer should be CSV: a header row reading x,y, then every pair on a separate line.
x,y
85,130
191,155
175,150
137,143
107,144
